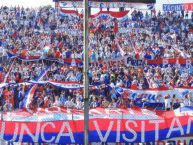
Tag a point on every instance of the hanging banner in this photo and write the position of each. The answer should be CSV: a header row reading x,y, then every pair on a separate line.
x,y
188,6
93,4
178,7
70,12
65,126
173,7
69,61
172,61
155,94
109,13
133,62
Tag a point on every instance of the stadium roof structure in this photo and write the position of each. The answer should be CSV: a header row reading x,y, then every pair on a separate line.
x,y
128,1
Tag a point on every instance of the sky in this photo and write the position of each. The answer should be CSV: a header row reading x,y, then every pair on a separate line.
x,y
37,3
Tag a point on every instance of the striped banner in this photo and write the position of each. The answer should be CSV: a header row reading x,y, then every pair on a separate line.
x,y
10,68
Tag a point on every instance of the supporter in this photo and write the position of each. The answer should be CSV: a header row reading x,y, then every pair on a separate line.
x,y
69,103
7,106
122,103
105,103
78,103
144,101
94,102
47,102
113,104
187,100
167,101
62,98
175,102
57,101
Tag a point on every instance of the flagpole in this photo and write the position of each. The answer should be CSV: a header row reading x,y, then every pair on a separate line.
x,y
85,71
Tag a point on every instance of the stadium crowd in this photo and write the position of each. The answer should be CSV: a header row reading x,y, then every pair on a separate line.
x,y
43,32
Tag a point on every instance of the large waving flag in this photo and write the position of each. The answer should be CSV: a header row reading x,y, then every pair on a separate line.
x,y
6,76
11,55
30,93
120,49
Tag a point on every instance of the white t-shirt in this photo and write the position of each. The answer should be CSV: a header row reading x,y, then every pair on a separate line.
x,y
57,103
186,102
79,104
69,104
167,103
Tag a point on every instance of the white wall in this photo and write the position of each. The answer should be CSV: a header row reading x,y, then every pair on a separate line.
x,y
37,3
26,3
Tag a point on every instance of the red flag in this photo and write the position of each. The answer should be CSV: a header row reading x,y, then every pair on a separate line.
x,y
191,30
115,27
14,35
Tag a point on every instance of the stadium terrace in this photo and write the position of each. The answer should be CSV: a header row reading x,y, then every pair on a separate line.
x,y
140,74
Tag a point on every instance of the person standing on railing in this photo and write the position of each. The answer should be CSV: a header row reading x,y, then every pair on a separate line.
x,y
167,101
188,101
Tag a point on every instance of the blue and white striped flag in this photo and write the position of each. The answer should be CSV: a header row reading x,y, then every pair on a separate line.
x,y
151,6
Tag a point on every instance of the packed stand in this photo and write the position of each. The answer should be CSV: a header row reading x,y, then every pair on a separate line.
x,y
31,32
103,83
